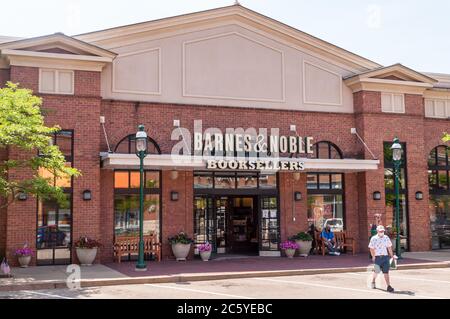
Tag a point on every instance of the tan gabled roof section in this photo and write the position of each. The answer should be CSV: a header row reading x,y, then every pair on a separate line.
x,y
393,78
59,40
288,33
39,52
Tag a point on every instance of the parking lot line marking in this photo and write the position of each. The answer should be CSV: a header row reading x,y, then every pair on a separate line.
x,y
45,294
396,276
199,291
336,287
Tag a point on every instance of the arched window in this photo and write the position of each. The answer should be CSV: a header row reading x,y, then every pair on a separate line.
x,y
439,205
127,145
326,191
326,150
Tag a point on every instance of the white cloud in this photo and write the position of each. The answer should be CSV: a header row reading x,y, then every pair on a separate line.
x,y
373,20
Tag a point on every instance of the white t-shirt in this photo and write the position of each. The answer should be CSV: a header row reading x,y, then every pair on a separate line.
x,y
380,245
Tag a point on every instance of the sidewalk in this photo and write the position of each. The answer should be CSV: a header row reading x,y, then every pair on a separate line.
x,y
48,277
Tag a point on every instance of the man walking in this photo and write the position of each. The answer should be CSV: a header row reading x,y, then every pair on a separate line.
x,y
381,251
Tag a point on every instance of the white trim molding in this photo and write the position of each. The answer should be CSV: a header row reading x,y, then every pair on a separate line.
x,y
326,70
114,75
55,60
255,99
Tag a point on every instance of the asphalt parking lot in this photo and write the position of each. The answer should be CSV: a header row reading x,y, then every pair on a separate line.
x,y
423,284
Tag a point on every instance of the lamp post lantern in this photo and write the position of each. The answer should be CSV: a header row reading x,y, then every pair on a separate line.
x,y
141,152
397,153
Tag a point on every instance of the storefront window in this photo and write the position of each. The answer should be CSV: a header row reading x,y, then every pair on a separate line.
x,y
326,210
269,223
268,181
235,180
439,206
326,191
203,180
225,180
126,209
126,203
54,221
390,194
247,180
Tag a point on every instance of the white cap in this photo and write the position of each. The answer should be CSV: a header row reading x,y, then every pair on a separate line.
x,y
380,228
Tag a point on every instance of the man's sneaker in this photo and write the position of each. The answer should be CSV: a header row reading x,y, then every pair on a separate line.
x,y
372,285
337,253
390,289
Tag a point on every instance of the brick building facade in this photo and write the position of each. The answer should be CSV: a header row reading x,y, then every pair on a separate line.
x,y
85,77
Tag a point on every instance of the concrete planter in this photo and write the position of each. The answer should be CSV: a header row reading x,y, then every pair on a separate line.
x,y
86,256
181,251
289,253
205,255
24,261
304,247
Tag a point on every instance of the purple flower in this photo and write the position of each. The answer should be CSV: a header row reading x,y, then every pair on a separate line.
x,y
22,252
204,247
289,245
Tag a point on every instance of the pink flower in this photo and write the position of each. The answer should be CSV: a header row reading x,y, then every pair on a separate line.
x,y
204,247
289,245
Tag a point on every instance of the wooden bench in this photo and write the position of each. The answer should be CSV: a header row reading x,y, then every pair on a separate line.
x,y
125,245
342,242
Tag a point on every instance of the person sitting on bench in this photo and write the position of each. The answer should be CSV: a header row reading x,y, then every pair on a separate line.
x,y
328,240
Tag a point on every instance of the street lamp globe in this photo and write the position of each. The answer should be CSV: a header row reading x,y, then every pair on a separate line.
x,y
397,150
141,140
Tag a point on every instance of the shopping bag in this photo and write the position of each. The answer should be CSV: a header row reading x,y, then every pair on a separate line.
x,y
4,267
393,262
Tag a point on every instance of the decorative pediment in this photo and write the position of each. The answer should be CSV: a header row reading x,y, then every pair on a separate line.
x,y
230,15
397,78
56,50
57,43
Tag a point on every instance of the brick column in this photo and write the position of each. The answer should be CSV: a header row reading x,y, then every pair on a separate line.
x,y
177,215
20,215
107,215
293,214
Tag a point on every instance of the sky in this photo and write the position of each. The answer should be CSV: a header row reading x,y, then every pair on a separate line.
x,y
412,32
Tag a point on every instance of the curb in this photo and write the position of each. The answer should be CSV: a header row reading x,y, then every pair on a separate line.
x,y
61,284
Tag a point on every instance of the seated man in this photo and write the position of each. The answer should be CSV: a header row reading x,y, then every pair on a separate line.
x,y
328,240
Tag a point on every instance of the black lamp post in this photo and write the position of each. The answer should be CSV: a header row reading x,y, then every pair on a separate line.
x,y
397,160
141,152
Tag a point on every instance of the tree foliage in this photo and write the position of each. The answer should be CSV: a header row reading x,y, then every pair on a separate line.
x,y
446,137
22,128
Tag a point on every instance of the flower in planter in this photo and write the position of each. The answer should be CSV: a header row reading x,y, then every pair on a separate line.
x,y
24,252
302,236
86,242
289,245
180,238
204,247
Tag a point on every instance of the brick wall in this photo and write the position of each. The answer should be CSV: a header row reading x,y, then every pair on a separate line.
x,y
80,113
177,215
27,77
4,77
3,211
409,127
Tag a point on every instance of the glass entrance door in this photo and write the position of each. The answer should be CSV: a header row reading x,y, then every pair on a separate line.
x,y
270,230
205,221
243,230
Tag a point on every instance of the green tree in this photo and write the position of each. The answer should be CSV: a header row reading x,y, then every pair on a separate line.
x,y
446,137
22,127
